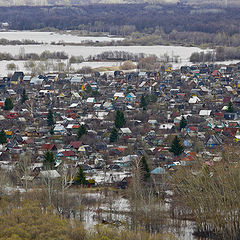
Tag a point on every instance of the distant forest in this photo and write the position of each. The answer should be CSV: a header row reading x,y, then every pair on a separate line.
x,y
141,16
192,24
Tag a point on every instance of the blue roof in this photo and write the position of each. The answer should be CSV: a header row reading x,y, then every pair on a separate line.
x,y
158,171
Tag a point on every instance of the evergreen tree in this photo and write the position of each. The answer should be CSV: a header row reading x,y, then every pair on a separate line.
x,y
113,136
80,178
49,160
24,96
52,130
88,88
81,131
3,137
183,123
230,107
8,104
145,168
119,119
50,118
143,103
176,147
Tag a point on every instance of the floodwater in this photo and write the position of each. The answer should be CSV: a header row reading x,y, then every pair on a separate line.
x,y
120,209
48,37
184,53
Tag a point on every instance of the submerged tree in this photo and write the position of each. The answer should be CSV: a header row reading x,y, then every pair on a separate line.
x,y
211,195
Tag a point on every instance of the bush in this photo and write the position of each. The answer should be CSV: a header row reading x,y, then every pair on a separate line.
x,y
128,65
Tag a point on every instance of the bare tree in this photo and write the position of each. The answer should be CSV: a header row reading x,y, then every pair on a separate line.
x,y
23,169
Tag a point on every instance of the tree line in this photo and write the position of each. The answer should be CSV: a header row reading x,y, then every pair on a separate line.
x,y
220,54
33,56
129,18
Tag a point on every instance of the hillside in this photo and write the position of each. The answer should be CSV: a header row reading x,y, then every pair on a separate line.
x,y
84,2
70,2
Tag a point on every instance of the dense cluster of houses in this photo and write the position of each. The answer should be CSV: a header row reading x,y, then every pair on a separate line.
x,y
201,94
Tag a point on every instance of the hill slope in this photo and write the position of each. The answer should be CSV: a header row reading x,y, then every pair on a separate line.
x,y
81,2
67,2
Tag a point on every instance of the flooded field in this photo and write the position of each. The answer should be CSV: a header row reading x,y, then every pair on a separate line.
x,y
46,38
49,37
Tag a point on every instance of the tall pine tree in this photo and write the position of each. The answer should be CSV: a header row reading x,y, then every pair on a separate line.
x,y
176,147
81,131
24,96
230,107
183,123
81,177
50,118
8,104
49,160
113,136
143,103
52,130
3,137
145,168
119,119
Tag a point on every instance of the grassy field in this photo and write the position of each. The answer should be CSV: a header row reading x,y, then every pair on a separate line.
x,y
104,69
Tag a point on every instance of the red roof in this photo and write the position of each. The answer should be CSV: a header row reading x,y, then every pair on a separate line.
x,y
12,115
120,149
192,128
76,126
233,124
219,115
227,99
76,144
68,153
231,131
1,104
216,73
191,154
176,114
47,146
28,141
72,115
